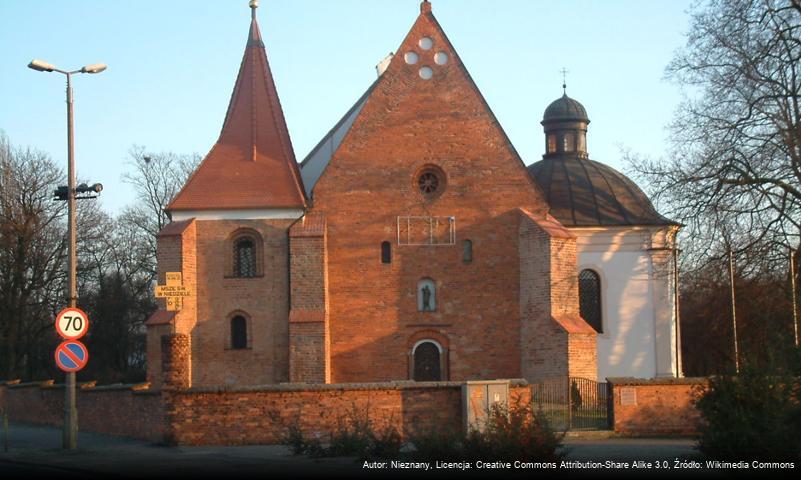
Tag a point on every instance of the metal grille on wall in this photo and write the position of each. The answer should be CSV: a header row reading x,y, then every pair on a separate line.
x,y
426,230
572,403
590,298
245,259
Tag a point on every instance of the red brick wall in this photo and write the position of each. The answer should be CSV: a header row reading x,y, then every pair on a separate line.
x,y
264,300
309,333
582,352
407,124
109,410
154,353
260,416
175,361
35,403
176,252
655,407
245,416
307,351
122,412
543,342
549,289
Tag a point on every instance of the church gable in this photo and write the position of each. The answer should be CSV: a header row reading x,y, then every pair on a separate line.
x,y
425,111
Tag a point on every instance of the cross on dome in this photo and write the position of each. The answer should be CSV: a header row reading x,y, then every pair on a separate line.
x,y
564,72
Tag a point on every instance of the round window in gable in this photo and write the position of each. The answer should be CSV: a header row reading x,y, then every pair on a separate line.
x,y
426,73
430,181
426,43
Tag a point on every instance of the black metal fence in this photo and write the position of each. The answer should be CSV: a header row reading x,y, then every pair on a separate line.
x,y
573,403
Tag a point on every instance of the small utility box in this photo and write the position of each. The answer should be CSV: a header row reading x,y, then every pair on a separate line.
x,y
479,397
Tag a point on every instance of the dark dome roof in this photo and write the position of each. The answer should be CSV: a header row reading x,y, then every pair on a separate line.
x,y
587,193
565,108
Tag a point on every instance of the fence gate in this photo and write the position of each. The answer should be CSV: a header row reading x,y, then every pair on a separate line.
x,y
573,403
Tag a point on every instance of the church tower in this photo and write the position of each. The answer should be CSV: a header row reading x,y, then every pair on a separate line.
x,y
229,240
626,250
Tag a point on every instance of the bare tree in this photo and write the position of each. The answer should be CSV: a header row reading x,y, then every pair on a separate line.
x,y
733,173
735,163
156,178
32,252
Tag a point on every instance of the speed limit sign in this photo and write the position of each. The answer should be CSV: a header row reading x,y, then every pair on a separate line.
x,y
72,323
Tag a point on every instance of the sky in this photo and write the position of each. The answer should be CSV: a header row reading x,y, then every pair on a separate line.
x,y
172,67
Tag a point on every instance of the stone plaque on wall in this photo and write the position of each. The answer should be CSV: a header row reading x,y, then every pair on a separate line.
x,y
628,396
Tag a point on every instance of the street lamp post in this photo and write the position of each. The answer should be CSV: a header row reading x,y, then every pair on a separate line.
x,y
70,435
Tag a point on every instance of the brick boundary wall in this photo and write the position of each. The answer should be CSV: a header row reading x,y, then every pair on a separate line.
x,y
127,410
261,415
653,407
242,416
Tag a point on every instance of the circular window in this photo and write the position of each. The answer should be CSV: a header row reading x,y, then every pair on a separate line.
x,y
441,58
430,181
411,58
426,73
426,43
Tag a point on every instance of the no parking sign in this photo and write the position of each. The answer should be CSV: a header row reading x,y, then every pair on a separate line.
x,y
71,355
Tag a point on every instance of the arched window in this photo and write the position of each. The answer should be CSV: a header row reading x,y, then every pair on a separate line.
x,y
568,142
582,142
590,298
246,254
551,143
467,251
244,257
426,295
239,332
386,252
427,356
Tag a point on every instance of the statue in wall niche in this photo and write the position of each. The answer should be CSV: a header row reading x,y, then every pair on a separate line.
x,y
426,299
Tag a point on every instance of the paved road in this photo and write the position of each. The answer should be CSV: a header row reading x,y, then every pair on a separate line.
x,y
35,451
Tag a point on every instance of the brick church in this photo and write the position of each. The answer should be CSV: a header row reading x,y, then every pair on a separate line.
x,y
412,243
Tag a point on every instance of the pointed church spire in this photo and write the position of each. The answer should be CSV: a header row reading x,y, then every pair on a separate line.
x,y
252,165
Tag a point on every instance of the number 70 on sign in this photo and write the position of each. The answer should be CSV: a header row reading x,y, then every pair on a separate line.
x,y
72,323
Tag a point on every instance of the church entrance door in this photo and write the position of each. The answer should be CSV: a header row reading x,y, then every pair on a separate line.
x,y
427,363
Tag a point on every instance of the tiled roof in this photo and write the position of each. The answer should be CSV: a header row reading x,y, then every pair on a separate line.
x,y
574,324
583,192
175,228
161,317
311,225
252,165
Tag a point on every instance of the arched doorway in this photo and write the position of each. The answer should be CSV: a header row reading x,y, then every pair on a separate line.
x,y
427,356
